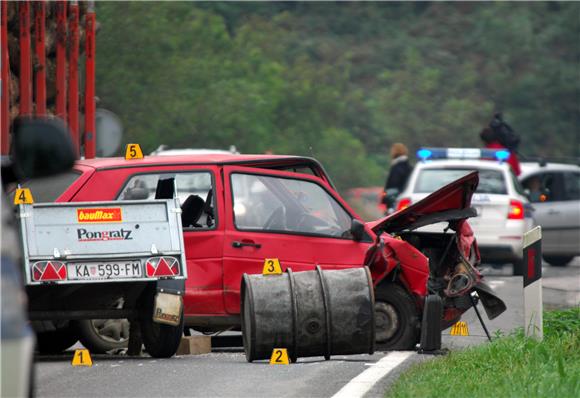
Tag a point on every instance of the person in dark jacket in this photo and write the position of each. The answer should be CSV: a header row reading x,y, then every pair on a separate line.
x,y
398,174
491,141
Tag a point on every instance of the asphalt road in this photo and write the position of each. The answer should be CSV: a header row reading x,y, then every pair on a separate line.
x,y
227,374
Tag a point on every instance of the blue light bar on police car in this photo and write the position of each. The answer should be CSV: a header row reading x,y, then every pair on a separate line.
x,y
463,153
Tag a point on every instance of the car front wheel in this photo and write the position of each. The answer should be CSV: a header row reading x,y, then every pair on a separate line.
x,y
396,318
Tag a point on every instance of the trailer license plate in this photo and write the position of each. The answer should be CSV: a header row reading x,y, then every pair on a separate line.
x,y
98,271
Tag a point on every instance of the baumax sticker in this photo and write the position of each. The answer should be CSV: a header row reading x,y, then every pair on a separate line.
x,y
91,215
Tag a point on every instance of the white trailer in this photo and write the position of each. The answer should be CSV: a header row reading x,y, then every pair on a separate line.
x,y
107,260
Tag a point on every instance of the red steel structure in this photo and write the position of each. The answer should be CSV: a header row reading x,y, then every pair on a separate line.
x,y
73,75
4,95
40,51
67,67
25,59
90,125
61,37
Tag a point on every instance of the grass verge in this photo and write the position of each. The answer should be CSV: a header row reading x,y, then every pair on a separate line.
x,y
511,366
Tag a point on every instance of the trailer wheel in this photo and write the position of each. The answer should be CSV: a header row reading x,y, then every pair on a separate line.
x,y
56,341
396,318
102,335
160,341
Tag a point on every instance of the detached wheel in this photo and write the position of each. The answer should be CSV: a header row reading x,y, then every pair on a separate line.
x,y
160,341
396,318
56,341
558,261
102,335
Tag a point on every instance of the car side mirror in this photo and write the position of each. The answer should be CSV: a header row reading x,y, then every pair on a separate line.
x,y
41,147
357,229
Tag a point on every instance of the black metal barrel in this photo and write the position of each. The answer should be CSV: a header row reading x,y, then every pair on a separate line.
x,y
310,313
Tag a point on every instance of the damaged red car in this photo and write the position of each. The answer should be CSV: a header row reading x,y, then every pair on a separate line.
x,y
238,210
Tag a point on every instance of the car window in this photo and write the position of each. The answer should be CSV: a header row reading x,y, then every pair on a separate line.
x,y
545,187
48,189
572,186
265,203
194,191
430,180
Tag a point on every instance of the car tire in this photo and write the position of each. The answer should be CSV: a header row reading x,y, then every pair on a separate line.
x,y
518,268
160,341
56,341
102,335
396,318
558,261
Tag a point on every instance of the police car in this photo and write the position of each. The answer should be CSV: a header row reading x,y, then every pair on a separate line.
x,y
503,209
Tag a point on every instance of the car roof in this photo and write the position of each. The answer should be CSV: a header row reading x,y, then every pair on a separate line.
x,y
214,158
531,167
460,163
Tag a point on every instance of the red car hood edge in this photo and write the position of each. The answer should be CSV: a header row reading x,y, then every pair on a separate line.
x,y
453,196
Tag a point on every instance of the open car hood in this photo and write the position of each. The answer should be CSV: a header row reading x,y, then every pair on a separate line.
x,y
449,203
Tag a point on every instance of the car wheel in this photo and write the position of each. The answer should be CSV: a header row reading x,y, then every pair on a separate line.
x,y
558,261
56,341
396,318
102,335
160,341
518,268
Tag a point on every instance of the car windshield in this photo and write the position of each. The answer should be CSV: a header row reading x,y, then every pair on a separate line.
x,y
430,180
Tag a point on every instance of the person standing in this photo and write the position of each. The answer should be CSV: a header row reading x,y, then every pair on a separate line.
x,y
398,173
491,141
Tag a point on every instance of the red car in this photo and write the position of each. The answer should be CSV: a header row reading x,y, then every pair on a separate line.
x,y
240,209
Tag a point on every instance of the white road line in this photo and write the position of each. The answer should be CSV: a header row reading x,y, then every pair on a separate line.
x,y
361,384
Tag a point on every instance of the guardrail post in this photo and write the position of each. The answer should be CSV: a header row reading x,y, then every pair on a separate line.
x,y
533,307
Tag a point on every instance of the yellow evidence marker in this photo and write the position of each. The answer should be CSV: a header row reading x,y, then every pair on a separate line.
x,y
23,196
272,267
133,151
460,329
82,358
279,357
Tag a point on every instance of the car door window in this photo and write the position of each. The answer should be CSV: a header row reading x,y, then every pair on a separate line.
x,y
572,186
545,187
266,203
193,189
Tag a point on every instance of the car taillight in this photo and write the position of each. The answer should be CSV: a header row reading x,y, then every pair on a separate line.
x,y
403,203
44,271
516,211
162,266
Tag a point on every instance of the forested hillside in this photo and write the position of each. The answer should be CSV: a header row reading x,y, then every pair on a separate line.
x,y
340,81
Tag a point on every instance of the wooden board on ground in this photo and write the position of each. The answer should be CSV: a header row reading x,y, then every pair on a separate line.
x,y
194,345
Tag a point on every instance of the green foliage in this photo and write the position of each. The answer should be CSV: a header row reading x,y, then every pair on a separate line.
x,y
340,81
512,366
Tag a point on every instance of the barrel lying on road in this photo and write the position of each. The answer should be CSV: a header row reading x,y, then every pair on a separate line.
x,y
311,313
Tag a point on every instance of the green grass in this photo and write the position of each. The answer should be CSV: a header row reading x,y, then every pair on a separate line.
x,y
511,366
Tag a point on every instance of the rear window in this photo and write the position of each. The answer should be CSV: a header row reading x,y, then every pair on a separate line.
x,y
48,189
430,180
